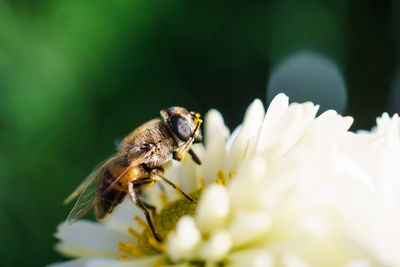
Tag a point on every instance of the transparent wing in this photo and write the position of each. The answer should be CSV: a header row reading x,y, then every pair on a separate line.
x,y
85,193
89,180
85,200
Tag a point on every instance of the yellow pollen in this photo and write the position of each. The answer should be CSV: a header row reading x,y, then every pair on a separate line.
x,y
197,120
180,153
133,232
231,174
157,245
130,249
163,198
140,221
201,182
122,257
158,263
221,177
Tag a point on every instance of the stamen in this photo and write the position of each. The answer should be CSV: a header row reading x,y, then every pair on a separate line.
x,y
197,120
201,182
140,221
163,198
221,177
130,249
158,263
122,257
157,245
231,174
133,232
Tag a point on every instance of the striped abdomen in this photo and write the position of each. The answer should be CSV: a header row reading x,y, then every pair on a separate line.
x,y
109,191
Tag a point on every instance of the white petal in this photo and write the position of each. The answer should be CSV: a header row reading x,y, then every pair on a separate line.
x,y
153,195
186,174
358,263
275,112
216,247
293,261
122,217
189,179
85,239
251,258
71,263
176,173
213,208
248,226
315,224
345,165
392,132
233,137
244,190
320,137
215,127
181,243
106,262
244,144
282,137
140,262
215,139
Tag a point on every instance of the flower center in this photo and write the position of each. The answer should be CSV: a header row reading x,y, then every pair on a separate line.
x,y
164,222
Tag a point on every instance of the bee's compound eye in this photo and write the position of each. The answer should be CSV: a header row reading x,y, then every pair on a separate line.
x,y
181,127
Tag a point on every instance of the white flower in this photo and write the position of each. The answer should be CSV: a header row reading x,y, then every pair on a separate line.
x,y
286,188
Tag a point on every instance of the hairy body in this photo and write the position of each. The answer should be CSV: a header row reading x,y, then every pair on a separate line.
x,y
141,158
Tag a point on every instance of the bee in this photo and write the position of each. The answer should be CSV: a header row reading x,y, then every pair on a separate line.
x,y
141,160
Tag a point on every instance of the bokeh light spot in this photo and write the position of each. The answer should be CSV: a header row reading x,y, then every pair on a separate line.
x,y
308,76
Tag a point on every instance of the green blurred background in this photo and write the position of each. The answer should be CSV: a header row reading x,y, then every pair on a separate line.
x,y
77,75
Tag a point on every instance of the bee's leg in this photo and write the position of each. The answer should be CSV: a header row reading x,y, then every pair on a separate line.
x,y
194,157
181,151
138,190
133,192
150,207
156,175
186,147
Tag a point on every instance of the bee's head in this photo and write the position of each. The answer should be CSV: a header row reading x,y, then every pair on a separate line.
x,y
183,124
